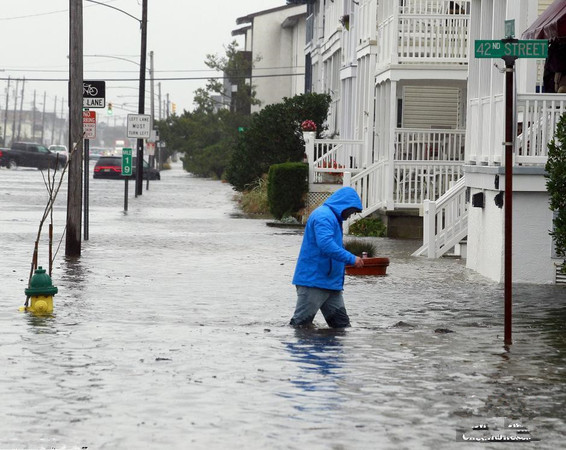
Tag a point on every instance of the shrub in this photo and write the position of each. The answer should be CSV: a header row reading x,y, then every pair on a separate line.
x,y
368,226
359,246
254,201
274,137
556,185
286,188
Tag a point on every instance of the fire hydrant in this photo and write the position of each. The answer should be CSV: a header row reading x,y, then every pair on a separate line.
x,y
41,291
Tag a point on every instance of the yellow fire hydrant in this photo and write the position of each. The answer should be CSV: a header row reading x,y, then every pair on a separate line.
x,y
41,291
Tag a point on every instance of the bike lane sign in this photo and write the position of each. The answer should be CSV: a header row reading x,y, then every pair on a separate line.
x,y
94,94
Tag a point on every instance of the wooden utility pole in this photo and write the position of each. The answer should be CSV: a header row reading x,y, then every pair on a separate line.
x,y
75,186
21,108
6,112
141,104
43,119
15,111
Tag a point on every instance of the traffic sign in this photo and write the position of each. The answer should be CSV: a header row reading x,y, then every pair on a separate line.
x,y
127,162
139,126
94,94
532,48
89,124
510,28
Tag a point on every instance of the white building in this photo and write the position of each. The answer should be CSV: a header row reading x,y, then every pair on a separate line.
x,y
418,124
275,39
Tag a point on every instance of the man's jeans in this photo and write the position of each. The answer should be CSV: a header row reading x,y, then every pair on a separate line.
x,y
330,303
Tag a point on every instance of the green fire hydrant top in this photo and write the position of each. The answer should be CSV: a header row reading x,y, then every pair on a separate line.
x,y
41,284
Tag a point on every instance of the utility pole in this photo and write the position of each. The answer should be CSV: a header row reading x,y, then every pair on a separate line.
x,y
6,112
75,186
43,119
159,96
33,118
53,123
152,103
15,111
141,105
21,108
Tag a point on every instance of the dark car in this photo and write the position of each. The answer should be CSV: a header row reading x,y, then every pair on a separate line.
x,y
31,154
111,167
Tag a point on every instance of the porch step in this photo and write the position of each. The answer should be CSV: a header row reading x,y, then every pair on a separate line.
x,y
460,250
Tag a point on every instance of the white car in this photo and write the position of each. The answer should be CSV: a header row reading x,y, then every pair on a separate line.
x,y
59,148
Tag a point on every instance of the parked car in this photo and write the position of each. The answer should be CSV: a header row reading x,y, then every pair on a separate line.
x,y
31,154
59,148
111,167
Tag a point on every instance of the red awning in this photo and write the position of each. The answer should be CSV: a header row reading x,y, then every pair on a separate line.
x,y
550,24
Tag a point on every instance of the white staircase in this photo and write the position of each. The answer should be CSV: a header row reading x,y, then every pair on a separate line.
x,y
445,222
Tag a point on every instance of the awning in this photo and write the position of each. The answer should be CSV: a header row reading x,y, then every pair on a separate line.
x,y
550,24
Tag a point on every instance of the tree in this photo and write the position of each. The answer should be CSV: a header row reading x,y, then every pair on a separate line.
x,y
556,185
274,137
208,135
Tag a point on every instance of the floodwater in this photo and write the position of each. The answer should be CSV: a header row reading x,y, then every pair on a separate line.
x,y
170,332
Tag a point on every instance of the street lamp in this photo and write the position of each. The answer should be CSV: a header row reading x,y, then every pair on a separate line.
x,y
141,104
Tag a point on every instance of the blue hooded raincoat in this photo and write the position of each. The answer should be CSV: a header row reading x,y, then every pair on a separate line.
x,y
322,256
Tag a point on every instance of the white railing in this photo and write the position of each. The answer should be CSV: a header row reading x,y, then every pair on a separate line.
x,y
445,222
430,31
537,116
370,184
415,181
429,144
329,158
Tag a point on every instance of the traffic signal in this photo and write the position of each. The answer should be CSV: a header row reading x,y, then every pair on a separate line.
x,y
109,109
174,107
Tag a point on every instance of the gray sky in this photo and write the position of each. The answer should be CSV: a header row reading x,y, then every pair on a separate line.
x,y
35,44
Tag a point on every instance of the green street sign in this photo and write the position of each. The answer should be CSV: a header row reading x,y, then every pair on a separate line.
x,y
510,28
532,48
127,162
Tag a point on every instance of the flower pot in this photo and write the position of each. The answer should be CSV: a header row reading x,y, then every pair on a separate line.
x,y
372,266
331,177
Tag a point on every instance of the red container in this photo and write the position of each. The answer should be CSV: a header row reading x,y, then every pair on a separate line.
x,y
372,266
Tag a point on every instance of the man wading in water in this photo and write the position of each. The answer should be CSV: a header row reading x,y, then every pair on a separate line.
x,y
319,274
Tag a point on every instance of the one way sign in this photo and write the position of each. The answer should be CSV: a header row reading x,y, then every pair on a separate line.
x,y
139,126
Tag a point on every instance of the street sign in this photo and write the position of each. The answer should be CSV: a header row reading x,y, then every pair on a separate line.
x,y
533,48
89,124
510,28
94,94
139,126
127,162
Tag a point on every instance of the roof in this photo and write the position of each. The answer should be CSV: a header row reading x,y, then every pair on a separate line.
x,y
550,24
250,17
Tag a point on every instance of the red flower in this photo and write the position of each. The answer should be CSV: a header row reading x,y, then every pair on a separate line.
x,y
308,125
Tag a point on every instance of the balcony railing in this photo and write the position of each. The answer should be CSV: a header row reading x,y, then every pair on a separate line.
x,y
429,31
537,116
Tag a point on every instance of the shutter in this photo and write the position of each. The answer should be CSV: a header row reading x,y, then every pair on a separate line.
x,y
431,107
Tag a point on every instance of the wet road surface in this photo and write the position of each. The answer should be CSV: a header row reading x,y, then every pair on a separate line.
x,y
170,332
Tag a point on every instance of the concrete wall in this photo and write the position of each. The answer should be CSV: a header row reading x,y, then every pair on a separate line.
x,y
532,219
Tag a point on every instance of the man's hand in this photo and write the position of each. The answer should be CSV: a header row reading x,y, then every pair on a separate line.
x,y
359,262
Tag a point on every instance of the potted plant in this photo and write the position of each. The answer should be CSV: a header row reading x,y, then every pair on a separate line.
x,y
332,177
366,250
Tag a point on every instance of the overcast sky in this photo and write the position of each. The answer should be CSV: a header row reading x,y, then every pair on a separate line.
x,y
35,45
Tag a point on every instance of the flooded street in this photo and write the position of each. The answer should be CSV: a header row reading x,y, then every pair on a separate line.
x,y
170,332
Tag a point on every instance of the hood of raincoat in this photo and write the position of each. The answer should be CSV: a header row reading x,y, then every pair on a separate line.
x,y
322,256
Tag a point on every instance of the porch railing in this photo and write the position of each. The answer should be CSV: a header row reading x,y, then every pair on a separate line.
x,y
537,116
426,163
330,157
445,222
430,31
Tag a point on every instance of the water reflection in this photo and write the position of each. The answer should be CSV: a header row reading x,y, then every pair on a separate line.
x,y
41,324
319,356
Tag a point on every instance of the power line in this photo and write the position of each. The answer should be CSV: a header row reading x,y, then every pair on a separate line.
x,y
169,78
